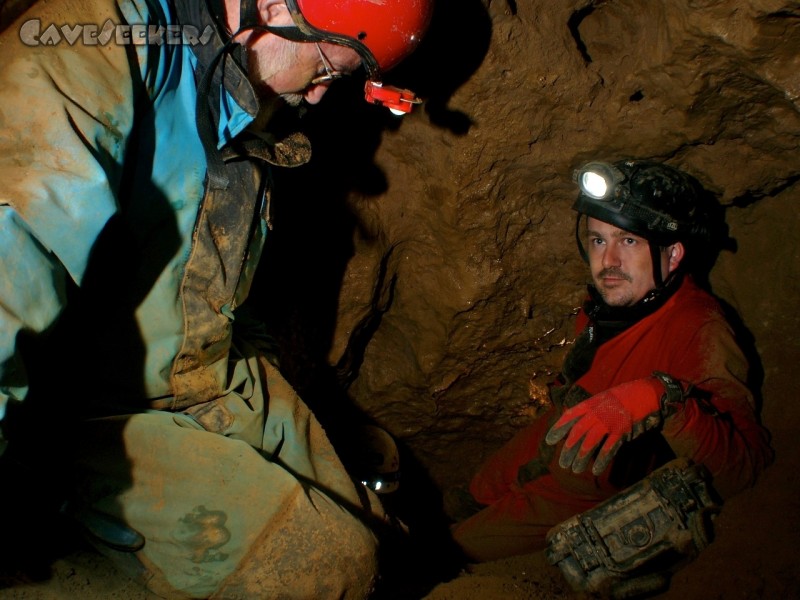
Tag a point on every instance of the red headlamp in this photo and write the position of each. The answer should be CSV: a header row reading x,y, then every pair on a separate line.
x,y
397,100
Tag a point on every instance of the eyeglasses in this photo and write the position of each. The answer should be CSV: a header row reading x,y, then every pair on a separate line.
x,y
330,73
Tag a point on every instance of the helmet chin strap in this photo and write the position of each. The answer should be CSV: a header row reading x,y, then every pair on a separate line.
x,y
655,254
578,240
248,14
302,31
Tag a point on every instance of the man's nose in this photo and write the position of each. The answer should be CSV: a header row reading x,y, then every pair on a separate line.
x,y
611,256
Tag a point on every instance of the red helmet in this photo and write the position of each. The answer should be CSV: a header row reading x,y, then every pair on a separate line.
x,y
383,32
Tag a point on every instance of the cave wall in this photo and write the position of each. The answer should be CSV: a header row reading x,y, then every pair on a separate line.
x,y
448,265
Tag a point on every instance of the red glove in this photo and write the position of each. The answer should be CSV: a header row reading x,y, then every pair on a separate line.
x,y
616,415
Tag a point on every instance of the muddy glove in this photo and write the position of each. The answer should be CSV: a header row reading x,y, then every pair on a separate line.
x,y
612,417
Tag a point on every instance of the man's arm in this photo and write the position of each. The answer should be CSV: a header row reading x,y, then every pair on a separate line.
x,y
65,112
719,426
702,407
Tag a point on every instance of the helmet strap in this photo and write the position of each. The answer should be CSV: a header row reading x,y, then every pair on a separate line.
x,y
248,14
301,31
305,32
611,320
655,254
578,240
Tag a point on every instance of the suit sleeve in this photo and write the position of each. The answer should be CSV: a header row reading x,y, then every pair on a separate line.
x,y
720,428
65,115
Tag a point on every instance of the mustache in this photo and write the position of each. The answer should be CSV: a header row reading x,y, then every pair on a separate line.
x,y
614,272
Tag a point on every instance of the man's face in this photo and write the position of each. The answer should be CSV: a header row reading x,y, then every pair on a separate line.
x,y
284,68
621,263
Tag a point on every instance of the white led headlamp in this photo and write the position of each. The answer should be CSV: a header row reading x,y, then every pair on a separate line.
x,y
598,180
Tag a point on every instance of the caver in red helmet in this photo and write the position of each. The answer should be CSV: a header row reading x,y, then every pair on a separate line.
x,y
389,30
381,32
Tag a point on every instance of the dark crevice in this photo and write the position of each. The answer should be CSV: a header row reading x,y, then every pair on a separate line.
x,y
573,23
781,14
749,198
512,6
353,356
636,96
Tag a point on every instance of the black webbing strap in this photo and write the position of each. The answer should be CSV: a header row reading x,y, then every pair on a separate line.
x,y
215,167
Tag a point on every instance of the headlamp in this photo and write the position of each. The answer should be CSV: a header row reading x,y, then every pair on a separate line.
x,y
648,199
383,483
397,100
598,180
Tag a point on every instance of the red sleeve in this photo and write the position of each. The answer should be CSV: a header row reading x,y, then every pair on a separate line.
x,y
722,430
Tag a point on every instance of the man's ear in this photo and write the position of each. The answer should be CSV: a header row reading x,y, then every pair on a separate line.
x,y
274,13
675,253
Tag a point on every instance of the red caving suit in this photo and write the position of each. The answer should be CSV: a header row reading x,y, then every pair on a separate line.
x,y
689,338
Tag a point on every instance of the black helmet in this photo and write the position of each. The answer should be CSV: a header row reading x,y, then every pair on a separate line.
x,y
660,203
653,200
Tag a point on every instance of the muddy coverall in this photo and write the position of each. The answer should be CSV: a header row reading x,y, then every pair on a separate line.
x,y
125,358
688,337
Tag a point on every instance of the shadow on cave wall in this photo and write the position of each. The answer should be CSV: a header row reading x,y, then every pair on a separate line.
x,y
299,279
307,253
702,262
69,379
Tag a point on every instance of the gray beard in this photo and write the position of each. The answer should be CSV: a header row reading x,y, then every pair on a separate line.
x,y
292,99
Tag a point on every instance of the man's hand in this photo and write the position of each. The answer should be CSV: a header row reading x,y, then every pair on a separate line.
x,y
609,418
